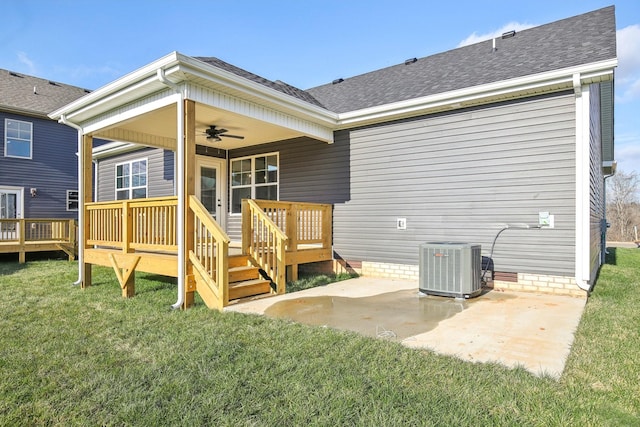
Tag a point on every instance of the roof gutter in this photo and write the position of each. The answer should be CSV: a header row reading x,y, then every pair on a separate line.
x,y
558,80
63,120
180,151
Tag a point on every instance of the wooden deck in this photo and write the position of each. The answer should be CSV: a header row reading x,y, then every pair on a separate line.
x,y
25,235
141,235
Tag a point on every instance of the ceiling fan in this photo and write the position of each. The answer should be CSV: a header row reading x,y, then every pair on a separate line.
x,y
215,134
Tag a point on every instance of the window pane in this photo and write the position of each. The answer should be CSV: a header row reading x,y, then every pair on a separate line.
x,y
131,180
267,192
261,163
237,195
18,148
272,168
139,193
12,132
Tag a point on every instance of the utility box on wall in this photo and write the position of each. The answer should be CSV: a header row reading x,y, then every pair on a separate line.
x,y
450,269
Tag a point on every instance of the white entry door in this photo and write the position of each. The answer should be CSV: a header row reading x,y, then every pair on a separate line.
x,y
211,186
10,203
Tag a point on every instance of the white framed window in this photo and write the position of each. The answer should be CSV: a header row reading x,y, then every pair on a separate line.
x,y
18,138
72,200
254,177
131,179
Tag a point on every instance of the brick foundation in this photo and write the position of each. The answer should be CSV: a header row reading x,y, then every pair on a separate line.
x,y
560,285
391,271
523,282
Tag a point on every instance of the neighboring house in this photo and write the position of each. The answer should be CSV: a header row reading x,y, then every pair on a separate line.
x,y
455,146
38,161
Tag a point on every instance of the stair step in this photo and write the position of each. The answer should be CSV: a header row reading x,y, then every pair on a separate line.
x,y
239,274
238,261
249,288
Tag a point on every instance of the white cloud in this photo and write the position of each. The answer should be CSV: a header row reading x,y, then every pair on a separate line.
x,y
628,72
25,60
475,37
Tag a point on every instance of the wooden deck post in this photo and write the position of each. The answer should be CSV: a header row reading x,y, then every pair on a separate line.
x,y
189,171
21,233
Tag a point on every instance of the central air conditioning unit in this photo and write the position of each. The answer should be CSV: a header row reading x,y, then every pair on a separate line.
x,y
450,269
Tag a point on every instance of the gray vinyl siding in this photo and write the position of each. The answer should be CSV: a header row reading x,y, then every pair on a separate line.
x,y
596,182
160,174
52,170
461,177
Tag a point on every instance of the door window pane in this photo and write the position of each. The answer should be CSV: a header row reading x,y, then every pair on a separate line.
x,y
208,193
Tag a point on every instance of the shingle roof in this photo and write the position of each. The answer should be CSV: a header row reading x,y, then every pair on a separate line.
x,y
17,94
574,41
277,85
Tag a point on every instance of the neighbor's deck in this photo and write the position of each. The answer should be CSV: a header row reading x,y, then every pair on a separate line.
x,y
24,235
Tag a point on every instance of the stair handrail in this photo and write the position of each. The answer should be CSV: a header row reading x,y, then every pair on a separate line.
x,y
264,242
210,252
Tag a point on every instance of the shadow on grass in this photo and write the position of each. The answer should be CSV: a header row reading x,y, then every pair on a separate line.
x,y
610,256
9,261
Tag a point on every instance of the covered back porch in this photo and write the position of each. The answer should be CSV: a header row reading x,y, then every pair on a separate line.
x,y
169,105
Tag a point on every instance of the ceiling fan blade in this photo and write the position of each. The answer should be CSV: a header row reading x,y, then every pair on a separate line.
x,y
232,136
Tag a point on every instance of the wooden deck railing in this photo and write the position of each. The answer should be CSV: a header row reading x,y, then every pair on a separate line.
x,y
24,235
305,224
139,224
37,230
264,241
209,256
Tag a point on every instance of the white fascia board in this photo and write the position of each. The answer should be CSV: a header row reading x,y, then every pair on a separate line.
x,y
589,72
253,89
127,83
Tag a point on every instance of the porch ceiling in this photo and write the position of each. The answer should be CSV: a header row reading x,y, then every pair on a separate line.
x,y
159,128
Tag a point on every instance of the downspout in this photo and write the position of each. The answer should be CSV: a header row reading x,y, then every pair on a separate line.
x,y
63,120
180,187
580,172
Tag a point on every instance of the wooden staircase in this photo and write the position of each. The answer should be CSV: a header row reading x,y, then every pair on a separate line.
x,y
245,279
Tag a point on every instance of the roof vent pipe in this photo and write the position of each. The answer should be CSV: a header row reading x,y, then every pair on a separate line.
x,y
494,48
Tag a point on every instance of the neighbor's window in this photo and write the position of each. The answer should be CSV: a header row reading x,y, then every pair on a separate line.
x,y
72,200
131,180
18,136
253,177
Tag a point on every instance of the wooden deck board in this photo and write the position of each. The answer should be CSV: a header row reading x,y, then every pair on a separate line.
x,y
157,263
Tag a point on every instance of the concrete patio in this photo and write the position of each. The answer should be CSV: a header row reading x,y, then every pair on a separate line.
x,y
534,331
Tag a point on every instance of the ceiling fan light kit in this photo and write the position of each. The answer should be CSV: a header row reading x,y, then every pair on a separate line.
x,y
215,133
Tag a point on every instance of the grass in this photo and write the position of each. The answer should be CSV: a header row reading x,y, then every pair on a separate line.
x,y
312,281
88,357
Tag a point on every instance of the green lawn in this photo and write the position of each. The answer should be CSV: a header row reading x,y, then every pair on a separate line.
x,y
73,357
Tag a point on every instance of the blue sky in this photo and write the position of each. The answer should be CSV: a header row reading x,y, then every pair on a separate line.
x,y
304,43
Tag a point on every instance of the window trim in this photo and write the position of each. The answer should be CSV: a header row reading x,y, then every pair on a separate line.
x,y
77,200
252,186
6,127
130,188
